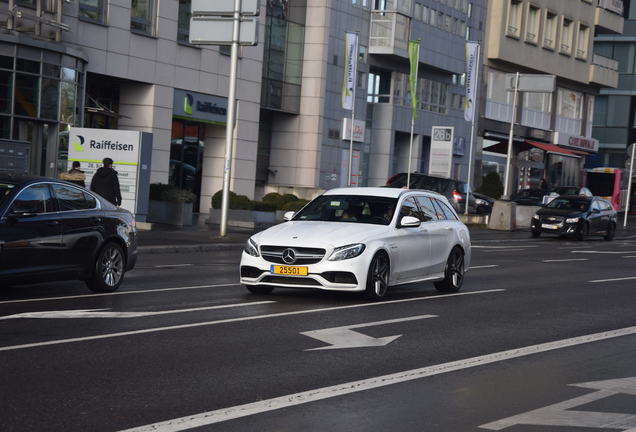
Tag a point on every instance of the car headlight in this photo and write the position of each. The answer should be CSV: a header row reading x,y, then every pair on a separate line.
x,y
480,201
535,216
251,248
572,220
346,252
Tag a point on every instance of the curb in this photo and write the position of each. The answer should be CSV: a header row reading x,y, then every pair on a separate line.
x,y
143,250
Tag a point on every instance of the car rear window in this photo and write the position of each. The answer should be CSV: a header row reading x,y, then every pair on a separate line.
x,y
5,190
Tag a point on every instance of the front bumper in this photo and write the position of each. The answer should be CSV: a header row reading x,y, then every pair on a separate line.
x,y
561,228
345,275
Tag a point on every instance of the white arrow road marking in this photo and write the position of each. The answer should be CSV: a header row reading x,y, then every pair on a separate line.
x,y
565,260
562,414
105,313
248,409
613,280
344,337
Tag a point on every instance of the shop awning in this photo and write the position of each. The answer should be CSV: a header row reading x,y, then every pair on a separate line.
x,y
502,148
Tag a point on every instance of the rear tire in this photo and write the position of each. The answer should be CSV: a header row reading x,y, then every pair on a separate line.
x,y
453,273
108,270
611,232
378,277
260,289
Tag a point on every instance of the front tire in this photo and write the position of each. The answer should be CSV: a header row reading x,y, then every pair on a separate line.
x,y
378,277
611,232
108,270
453,273
583,232
260,289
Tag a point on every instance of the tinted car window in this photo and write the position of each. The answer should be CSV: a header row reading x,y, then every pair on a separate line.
x,y
569,204
409,208
70,198
427,207
5,190
596,205
443,208
565,190
605,205
349,208
34,199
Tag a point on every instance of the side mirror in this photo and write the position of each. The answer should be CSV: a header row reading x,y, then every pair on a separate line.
x,y
410,222
288,215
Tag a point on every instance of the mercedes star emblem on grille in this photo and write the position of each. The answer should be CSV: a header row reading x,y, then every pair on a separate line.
x,y
289,256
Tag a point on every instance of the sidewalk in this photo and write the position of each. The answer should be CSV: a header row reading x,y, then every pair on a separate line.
x,y
205,238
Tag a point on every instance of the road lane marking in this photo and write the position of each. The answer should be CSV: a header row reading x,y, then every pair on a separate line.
x,y
345,337
230,413
613,280
630,256
234,320
503,250
564,414
483,267
173,265
603,252
230,284
503,247
565,260
105,313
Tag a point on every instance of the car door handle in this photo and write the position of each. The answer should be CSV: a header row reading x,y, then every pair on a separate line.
x,y
53,223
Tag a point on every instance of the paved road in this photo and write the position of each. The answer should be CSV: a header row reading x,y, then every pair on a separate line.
x,y
541,338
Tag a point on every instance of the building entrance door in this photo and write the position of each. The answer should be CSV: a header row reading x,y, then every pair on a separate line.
x,y
42,148
186,156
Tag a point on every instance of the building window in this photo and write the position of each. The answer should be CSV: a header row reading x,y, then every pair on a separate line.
x,y
566,37
583,42
532,26
183,29
569,111
590,116
514,18
550,32
142,16
92,10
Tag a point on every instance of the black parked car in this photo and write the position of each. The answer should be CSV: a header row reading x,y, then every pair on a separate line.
x,y
483,203
578,216
453,190
532,196
55,230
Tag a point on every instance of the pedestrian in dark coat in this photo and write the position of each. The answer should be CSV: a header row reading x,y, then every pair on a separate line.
x,y
106,183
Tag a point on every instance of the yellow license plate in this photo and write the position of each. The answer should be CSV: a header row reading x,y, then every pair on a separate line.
x,y
288,270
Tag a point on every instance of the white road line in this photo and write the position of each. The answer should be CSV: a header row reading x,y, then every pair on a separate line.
x,y
565,260
105,313
603,252
224,414
483,267
119,293
503,250
233,320
173,265
613,280
502,247
630,256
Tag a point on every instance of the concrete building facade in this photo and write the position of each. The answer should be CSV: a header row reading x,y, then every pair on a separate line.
x,y
553,134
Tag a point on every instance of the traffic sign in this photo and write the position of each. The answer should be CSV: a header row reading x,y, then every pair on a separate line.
x,y
224,7
531,83
218,31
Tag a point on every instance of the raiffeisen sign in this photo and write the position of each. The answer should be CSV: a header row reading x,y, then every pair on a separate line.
x,y
131,152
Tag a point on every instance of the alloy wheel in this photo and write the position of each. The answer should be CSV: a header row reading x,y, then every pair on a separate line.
x,y
456,268
380,275
112,266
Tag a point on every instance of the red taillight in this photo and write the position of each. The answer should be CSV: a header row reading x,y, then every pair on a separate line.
x,y
457,196
392,179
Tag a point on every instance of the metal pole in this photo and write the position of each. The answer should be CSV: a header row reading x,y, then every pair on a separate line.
x,y
512,131
472,130
231,114
353,113
417,69
629,184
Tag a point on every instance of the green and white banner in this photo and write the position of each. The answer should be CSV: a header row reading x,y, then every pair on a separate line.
x,y
351,70
472,57
414,58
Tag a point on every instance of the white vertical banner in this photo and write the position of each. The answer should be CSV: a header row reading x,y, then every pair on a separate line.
x,y
351,70
472,57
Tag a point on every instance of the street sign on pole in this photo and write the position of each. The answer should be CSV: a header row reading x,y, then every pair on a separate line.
x,y
531,83
224,7
218,31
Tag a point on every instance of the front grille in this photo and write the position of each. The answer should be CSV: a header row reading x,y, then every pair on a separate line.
x,y
290,280
304,255
556,220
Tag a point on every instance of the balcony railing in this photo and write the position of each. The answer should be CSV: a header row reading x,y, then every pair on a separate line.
x,y
615,6
404,7
389,33
535,119
498,111
43,19
605,62
568,125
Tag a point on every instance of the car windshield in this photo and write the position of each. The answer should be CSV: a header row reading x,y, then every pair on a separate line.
x,y
569,204
5,190
565,190
349,208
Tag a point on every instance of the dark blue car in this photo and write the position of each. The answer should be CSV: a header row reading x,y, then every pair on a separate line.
x,y
55,230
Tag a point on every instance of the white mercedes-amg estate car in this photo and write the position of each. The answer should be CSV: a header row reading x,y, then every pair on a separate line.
x,y
361,239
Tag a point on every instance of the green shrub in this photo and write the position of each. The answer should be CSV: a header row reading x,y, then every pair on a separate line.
x,y
295,205
264,206
491,186
241,202
170,193
218,197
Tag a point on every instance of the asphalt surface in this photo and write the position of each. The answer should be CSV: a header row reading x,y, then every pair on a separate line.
x,y
541,338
